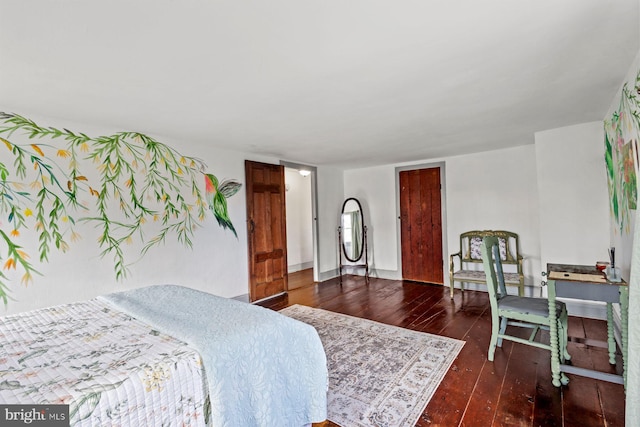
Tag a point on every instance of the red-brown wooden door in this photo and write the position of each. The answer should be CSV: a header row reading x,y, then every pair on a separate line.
x,y
266,229
421,225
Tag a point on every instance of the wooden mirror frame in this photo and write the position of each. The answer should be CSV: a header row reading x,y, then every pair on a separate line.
x,y
349,255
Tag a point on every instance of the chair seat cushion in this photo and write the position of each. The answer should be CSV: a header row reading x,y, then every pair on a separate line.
x,y
478,276
528,305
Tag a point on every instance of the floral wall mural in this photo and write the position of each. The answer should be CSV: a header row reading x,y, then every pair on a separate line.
x,y
128,185
622,131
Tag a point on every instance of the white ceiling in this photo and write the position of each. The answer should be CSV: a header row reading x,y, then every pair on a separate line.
x,y
322,82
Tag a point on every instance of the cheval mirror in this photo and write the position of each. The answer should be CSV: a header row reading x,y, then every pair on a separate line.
x,y
352,238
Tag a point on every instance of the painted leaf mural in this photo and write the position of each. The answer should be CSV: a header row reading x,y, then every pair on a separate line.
x,y
621,156
128,185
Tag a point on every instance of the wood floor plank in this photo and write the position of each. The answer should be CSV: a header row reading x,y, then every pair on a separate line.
x,y
517,398
487,394
513,390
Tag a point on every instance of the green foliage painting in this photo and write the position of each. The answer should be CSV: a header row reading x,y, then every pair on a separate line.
x,y
622,132
128,185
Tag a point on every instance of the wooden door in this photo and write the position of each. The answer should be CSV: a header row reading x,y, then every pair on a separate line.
x,y
266,229
421,225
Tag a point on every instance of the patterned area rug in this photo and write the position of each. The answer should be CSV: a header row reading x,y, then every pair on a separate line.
x,y
379,375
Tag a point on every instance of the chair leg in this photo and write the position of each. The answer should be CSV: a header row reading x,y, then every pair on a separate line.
x,y
494,339
451,287
503,328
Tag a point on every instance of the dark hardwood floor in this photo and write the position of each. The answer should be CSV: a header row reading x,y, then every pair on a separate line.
x,y
513,390
300,278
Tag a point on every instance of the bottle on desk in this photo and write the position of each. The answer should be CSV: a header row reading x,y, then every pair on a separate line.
x,y
613,274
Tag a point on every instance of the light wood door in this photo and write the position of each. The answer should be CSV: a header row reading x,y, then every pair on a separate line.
x,y
421,225
266,229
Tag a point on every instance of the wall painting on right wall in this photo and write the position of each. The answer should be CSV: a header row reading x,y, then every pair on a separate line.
x,y
622,131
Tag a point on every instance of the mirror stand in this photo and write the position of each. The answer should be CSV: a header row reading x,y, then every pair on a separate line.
x,y
344,263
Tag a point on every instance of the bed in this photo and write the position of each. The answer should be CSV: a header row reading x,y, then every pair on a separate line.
x,y
165,355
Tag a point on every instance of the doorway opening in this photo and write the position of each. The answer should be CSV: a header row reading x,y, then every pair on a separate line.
x,y
301,223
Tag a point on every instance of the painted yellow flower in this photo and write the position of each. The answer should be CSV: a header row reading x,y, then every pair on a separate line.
x,y
7,143
65,219
84,147
28,212
9,264
63,153
23,254
75,236
26,278
15,232
37,150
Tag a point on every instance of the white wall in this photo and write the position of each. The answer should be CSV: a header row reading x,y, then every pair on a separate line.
x,y
628,257
496,190
299,220
375,189
572,184
330,198
491,190
217,263
623,239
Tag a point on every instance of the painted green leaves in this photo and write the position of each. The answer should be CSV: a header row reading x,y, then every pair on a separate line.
x,y
129,186
622,132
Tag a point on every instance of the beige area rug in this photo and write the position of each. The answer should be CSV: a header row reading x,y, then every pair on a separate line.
x,y
379,375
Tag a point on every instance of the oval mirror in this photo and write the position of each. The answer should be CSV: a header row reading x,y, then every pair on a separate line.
x,y
352,223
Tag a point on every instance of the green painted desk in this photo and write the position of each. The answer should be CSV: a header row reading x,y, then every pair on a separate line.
x,y
585,282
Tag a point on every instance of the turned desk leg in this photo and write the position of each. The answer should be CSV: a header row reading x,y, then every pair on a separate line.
x,y
624,319
610,336
553,334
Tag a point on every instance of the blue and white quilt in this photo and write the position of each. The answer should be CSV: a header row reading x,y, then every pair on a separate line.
x,y
165,355
263,368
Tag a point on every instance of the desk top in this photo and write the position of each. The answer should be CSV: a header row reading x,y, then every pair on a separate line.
x,y
579,273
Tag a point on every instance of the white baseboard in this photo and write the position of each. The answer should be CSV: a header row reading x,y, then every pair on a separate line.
x,y
243,297
299,267
588,309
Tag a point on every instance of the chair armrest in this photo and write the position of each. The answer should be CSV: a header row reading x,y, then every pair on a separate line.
x,y
520,260
459,255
